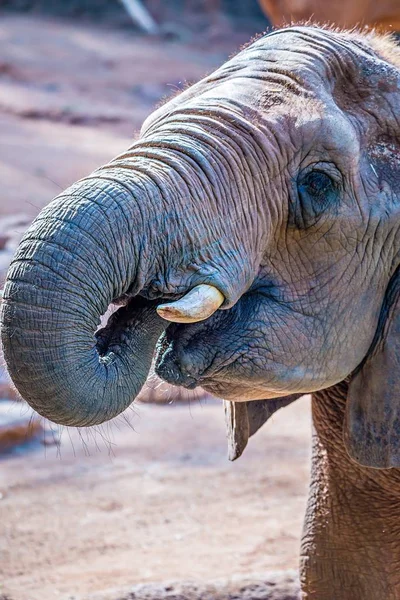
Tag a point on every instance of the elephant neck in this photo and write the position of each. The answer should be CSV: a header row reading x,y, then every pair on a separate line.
x,y
350,547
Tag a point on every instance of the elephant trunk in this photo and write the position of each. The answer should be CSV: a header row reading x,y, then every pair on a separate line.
x,y
81,253
154,223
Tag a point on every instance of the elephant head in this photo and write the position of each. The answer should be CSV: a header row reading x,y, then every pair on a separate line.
x,y
269,190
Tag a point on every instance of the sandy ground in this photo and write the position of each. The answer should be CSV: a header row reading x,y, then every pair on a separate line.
x,y
158,503
155,501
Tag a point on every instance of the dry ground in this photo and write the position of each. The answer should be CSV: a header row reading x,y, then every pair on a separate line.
x,y
165,504
117,508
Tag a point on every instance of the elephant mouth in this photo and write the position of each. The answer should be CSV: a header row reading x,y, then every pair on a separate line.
x,y
119,330
215,355
178,364
181,369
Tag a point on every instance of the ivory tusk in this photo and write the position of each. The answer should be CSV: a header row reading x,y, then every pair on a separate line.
x,y
198,304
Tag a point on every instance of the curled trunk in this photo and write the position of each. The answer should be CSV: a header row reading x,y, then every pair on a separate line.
x,y
80,254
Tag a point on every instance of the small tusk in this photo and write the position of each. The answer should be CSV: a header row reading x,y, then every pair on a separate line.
x,y
200,303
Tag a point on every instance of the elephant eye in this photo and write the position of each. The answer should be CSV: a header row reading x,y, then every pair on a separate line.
x,y
317,185
317,191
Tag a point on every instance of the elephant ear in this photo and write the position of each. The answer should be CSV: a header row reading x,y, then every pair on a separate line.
x,y
243,419
372,421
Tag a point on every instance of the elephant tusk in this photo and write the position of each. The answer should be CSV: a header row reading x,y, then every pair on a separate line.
x,y
198,304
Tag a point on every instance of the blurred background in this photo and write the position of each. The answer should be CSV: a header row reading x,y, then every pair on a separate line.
x,y
108,512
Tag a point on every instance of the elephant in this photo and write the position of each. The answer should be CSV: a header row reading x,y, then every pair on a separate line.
x,y
251,239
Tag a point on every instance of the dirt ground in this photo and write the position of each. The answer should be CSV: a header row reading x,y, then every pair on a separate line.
x,y
111,513
158,503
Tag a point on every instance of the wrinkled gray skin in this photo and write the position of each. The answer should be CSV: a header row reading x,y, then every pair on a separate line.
x,y
275,179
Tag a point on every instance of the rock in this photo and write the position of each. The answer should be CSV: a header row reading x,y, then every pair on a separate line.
x,y
276,585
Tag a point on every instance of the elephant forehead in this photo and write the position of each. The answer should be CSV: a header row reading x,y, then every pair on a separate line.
x,y
301,72
315,60
304,68
301,47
